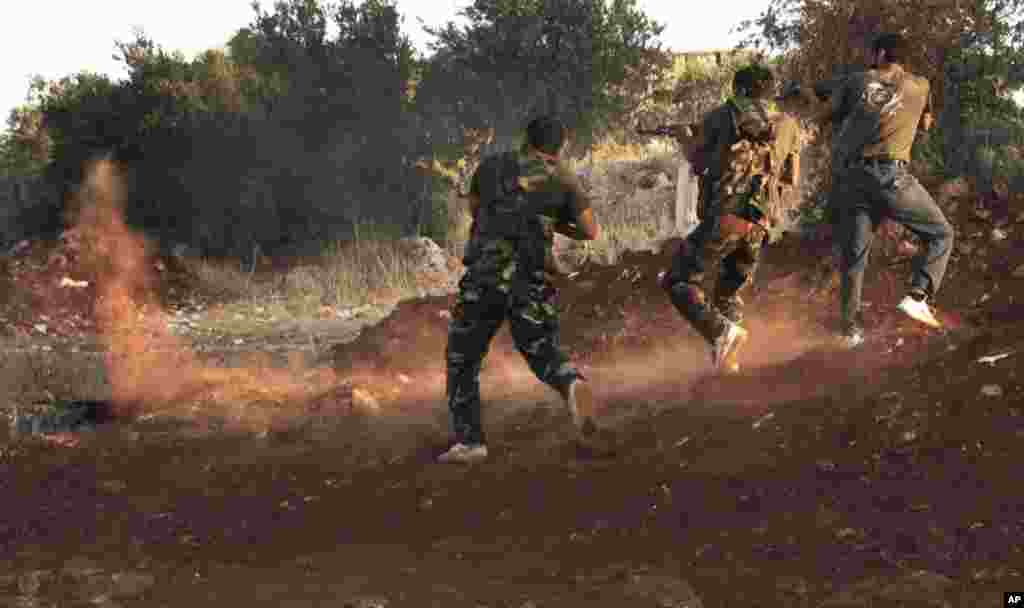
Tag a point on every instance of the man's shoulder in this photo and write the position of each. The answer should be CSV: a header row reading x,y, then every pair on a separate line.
x,y
920,81
717,118
716,114
787,122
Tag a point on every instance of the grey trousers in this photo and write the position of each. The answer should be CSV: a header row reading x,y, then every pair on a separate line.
x,y
865,194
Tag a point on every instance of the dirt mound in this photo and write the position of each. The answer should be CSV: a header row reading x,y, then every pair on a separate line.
x,y
45,292
617,321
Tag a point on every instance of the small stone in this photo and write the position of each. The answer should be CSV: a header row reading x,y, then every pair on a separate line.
x,y
114,486
992,390
825,466
794,585
129,584
30,582
998,235
1019,272
80,567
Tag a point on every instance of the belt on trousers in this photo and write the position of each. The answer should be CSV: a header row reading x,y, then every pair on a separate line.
x,y
877,161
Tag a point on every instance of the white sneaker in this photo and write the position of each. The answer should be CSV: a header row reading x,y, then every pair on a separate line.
x,y
919,311
464,454
851,338
726,347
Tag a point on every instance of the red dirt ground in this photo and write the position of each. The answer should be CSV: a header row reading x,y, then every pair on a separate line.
x,y
812,470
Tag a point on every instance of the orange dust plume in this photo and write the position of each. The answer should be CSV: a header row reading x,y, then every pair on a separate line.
x,y
148,367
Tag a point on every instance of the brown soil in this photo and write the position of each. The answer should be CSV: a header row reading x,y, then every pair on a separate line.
x,y
811,470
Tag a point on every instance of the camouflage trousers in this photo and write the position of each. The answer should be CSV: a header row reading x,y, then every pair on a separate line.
x,y
733,243
479,311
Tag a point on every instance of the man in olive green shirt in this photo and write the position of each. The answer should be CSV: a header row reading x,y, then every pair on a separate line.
x,y
877,113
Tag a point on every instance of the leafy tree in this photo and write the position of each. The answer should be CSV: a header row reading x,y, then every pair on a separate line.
x,y
979,44
518,58
25,146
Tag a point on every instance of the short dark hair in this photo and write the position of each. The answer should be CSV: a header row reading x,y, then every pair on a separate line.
x,y
755,81
546,133
896,47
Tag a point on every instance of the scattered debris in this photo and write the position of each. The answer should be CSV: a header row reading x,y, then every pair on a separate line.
x,y
992,390
765,418
69,282
991,359
59,417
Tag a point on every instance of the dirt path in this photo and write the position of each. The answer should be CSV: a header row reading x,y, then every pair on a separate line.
x,y
888,477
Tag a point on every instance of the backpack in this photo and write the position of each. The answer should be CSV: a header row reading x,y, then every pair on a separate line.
x,y
752,179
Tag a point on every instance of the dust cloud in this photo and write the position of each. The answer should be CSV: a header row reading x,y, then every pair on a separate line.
x,y
150,369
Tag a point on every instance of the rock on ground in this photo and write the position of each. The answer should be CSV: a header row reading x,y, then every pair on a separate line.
x,y
921,589
429,256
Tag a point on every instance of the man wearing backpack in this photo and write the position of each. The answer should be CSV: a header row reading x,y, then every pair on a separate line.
x,y
878,113
518,200
751,152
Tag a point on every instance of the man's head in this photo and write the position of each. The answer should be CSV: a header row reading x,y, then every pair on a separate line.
x,y
890,48
546,134
755,81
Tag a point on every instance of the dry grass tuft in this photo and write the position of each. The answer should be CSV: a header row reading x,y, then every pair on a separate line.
x,y
358,271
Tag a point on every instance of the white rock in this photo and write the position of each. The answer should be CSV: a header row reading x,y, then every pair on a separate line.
x,y
992,390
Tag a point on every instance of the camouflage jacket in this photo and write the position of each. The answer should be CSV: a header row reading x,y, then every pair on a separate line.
x,y
522,197
751,142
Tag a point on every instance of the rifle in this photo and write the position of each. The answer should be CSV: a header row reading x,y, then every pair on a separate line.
x,y
677,131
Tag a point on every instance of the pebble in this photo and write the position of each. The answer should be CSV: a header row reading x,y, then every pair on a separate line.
x,y
992,390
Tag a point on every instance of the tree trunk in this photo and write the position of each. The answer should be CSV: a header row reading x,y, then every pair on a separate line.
x,y
949,120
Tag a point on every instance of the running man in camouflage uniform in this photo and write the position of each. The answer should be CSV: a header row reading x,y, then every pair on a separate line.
x,y
518,200
877,113
751,150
